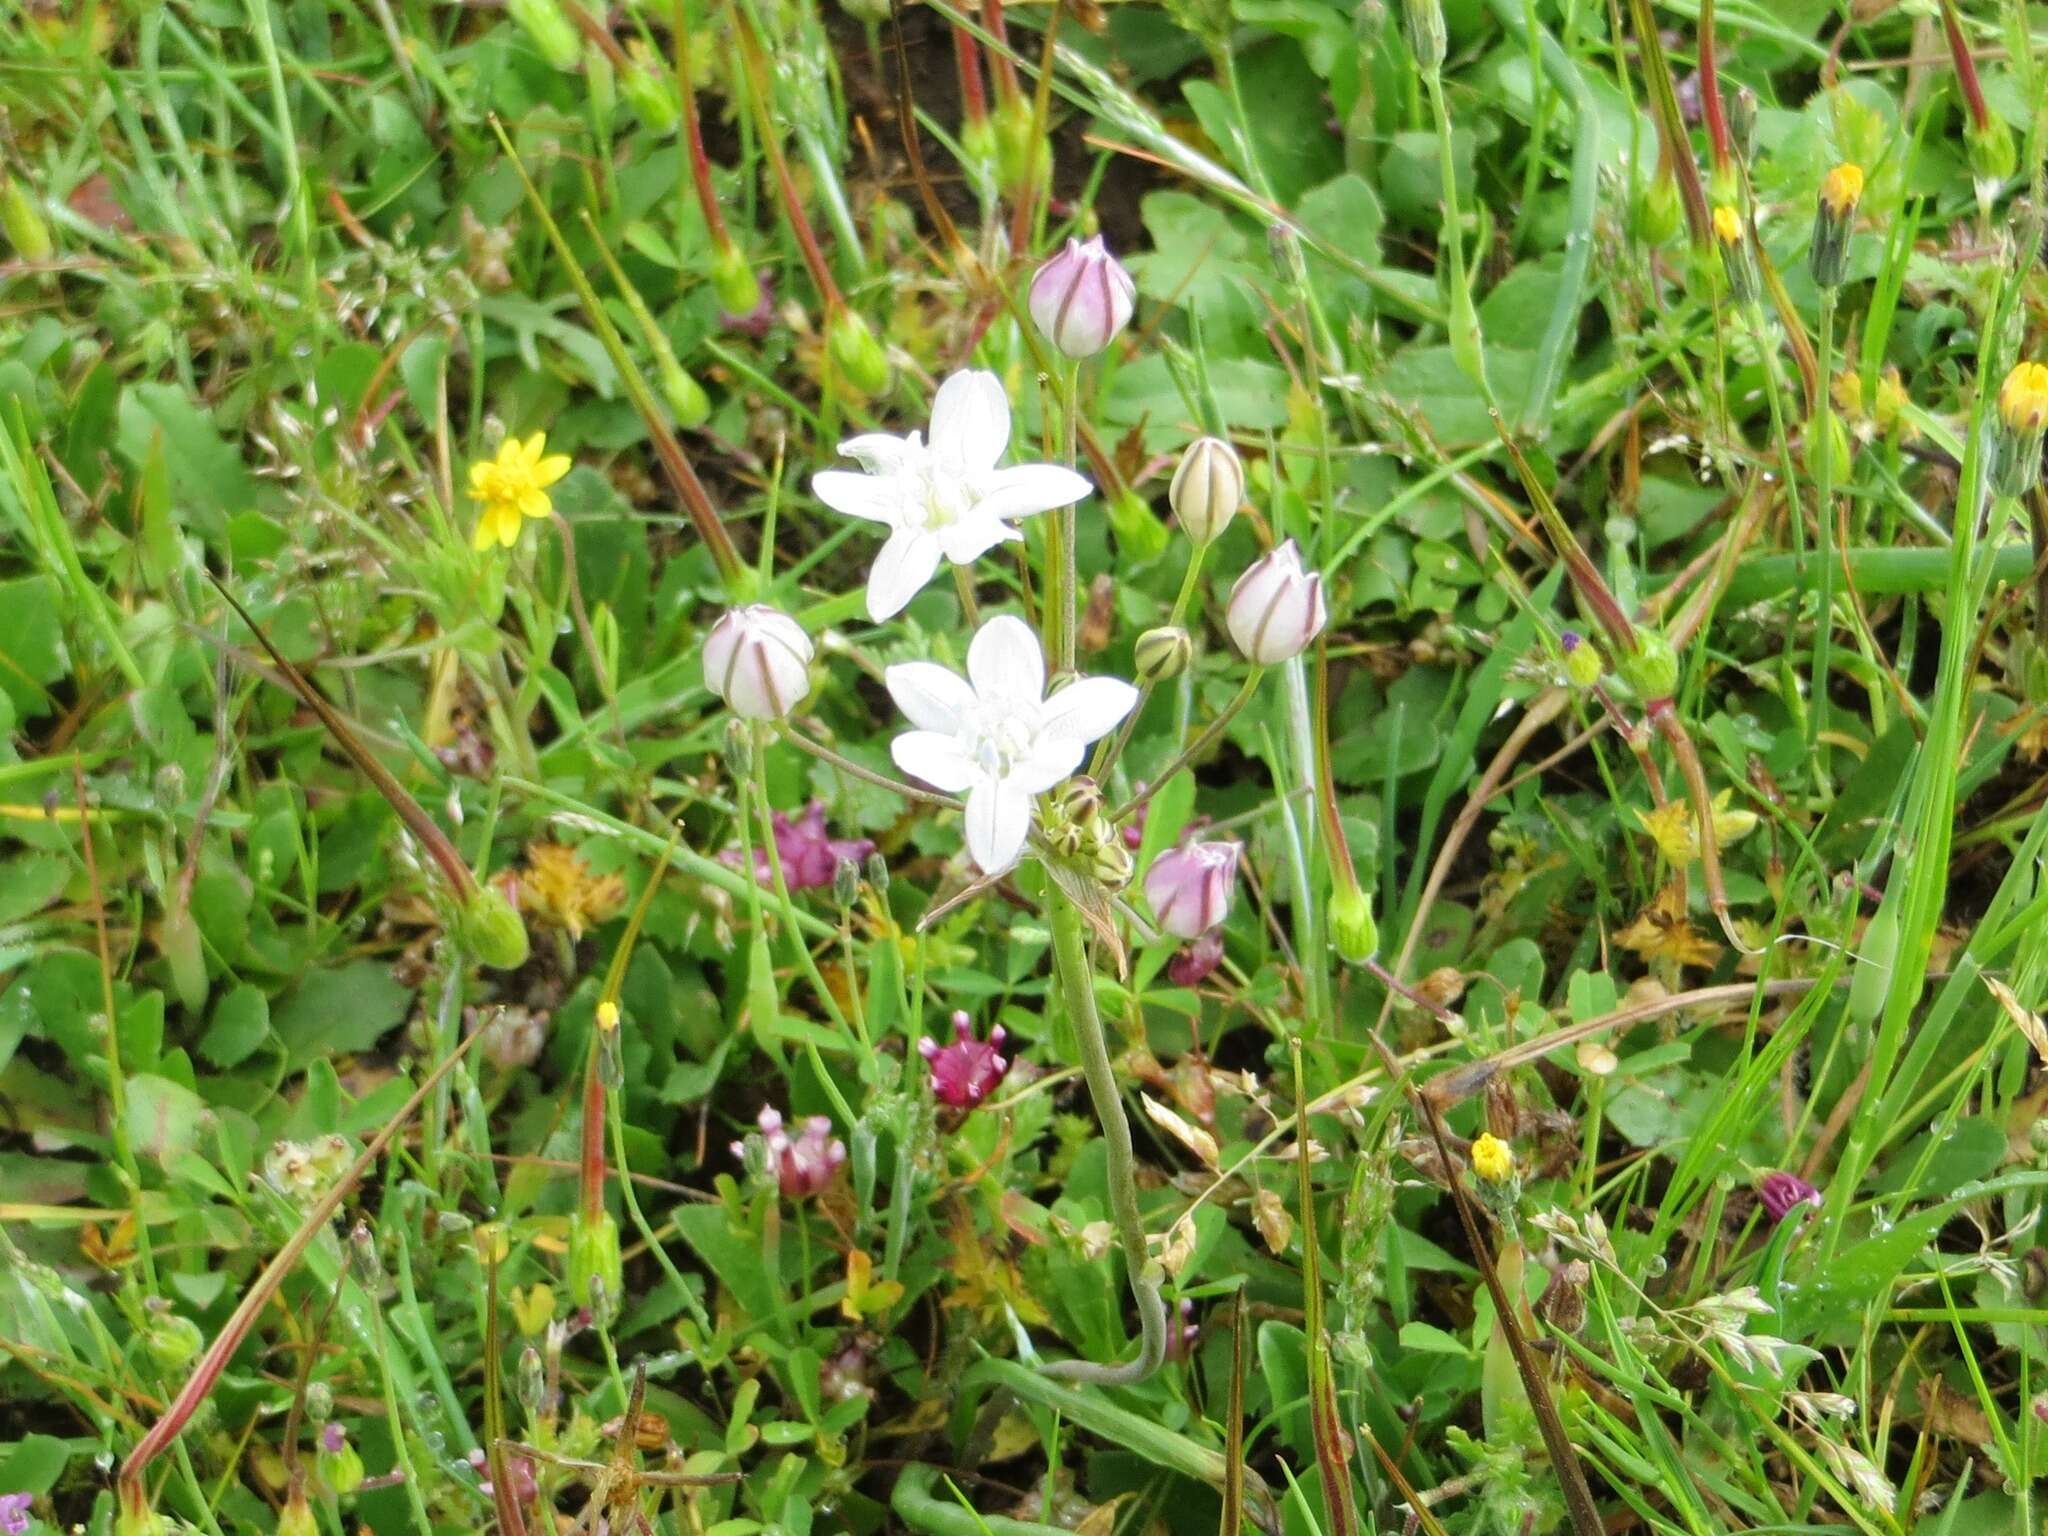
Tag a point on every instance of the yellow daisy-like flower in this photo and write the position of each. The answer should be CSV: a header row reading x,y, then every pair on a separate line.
x,y
1492,1159
1727,224
2023,399
513,487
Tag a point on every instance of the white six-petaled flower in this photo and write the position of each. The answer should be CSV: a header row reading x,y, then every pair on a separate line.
x,y
942,499
995,736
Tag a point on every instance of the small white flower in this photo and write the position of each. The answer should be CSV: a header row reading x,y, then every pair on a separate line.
x,y
995,735
1276,608
944,499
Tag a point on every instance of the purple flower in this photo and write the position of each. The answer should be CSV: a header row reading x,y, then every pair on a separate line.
x,y
967,1071
803,1164
1081,298
1181,1339
1783,1193
757,321
809,854
332,1438
14,1512
1189,887
1190,967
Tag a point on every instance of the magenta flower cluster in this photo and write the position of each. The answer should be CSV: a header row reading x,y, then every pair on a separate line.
x,y
804,1163
966,1071
809,853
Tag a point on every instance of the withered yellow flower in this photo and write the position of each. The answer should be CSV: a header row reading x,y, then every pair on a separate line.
x,y
513,487
560,889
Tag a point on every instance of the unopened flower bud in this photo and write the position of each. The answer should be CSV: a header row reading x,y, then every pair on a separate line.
x,y
1189,888
758,660
856,352
1163,653
1207,488
1583,662
1080,801
646,86
1276,608
1834,219
1023,154
1993,158
1082,298
1742,123
685,396
531,1382
296,1518
1109,861
1651,670
845,883
1783,1193
1352,926
2017,433
27,230
1563,1303
1422,23
1738,261
552,32
733,280
173,1341
339,1465
593,1256
494,930
1660,211
878,874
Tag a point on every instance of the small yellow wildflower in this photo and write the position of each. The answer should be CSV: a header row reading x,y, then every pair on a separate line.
x,y
607,1015
533,1307
1727,224
559,888
1671,828
513,487
1492,1159
1842,188
1892,402
2023,398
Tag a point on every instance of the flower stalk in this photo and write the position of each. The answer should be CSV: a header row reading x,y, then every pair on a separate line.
x,y
1077,990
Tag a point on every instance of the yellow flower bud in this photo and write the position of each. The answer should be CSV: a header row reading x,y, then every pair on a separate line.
x,y
1492,1159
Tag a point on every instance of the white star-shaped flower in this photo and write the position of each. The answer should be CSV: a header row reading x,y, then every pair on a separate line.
x,y
995,736
944,498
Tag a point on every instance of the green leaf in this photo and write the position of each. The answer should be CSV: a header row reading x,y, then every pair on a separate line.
x,y
349,1008
164,1118
208,477
241,1023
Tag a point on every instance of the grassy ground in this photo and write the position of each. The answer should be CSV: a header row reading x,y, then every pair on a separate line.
x,y
386,1007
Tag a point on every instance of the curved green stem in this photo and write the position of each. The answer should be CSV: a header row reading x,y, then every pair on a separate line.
x,y
1077,990
1198,746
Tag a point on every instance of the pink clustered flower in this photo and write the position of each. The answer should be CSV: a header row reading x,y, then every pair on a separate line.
x,y
966,1071
809,853
14,1512
804,1163
333,1438
1783,1193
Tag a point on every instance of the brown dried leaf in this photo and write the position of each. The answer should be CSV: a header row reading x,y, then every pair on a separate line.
x,y
1193,1137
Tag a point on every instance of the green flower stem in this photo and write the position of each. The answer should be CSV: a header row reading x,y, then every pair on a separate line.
x,y
1062,616
847,765
1824,514
1198,746
870,1072
1107,754
1077,989
1314,954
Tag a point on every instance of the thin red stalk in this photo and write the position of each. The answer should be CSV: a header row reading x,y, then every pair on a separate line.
x,y
1675,149
693,135
591,1166
973,95
1000,62
785,184
1710,90
417,821
1966,67
236,1328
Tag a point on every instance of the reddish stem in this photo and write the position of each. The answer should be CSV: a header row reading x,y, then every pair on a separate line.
x,y
693,135
785,184
1966,67
973,97
1710,90
591,1167
1000,62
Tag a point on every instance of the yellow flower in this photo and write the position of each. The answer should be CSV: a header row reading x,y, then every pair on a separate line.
x,y
1661,932
1727,224
1841,188
1671,829
558,888
1892,402
607,1015
512,487
2023,399
1492,1159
